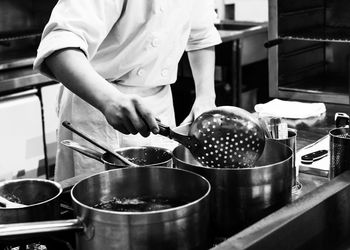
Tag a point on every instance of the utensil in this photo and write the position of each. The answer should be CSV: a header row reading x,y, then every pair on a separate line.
x,y
69,126
240,197
145,156
9,204
225,137
291,141
339,148
180,227
314,156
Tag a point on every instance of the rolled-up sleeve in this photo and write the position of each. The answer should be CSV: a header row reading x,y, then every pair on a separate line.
x,y
203,32
82,24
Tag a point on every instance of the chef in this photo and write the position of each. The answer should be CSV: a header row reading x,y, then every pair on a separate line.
x,y
116,60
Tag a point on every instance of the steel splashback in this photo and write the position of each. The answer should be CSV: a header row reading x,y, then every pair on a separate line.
x,y
21,24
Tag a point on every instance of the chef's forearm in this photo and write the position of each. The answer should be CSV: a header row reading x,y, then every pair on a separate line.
x,y
202,65
73,70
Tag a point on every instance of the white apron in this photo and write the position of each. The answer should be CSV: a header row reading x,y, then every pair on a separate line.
x,y
91,121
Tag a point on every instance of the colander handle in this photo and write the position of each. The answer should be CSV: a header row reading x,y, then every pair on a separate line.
x,y
166,131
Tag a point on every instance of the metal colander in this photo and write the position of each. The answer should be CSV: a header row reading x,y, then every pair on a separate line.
x,y
225,137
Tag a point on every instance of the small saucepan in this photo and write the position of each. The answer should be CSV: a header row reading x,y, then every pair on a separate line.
x,y
38,195
142,155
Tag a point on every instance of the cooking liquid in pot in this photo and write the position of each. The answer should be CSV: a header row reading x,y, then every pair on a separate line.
x,y
137,161
140,204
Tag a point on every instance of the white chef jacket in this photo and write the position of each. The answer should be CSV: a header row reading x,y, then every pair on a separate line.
x,y
135,43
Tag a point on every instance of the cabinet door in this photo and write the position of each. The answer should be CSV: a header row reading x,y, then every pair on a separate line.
x,y
21,144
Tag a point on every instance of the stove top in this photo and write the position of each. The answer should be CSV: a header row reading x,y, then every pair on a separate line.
x,y
52,241
39,243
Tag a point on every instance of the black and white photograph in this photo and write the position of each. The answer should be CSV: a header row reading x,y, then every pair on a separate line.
x,y
174,125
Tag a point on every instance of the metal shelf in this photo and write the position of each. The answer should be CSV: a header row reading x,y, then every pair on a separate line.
x,y
320,34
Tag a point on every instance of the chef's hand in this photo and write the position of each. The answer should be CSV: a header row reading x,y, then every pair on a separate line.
x,y
129,115
199,106
126,113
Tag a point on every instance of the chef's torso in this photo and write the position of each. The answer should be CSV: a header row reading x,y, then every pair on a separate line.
x,y
138,42
134,43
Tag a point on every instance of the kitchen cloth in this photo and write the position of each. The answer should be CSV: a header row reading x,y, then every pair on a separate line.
x,y
290,109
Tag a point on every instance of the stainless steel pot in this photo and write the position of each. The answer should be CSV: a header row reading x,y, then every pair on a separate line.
x,y
243,196
40,197
180,227
142,155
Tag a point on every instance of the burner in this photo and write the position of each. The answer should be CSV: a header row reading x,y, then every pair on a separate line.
x,y
39,243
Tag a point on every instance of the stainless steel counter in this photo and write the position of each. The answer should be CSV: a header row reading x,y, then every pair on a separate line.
x,y
318,217
18,79
318,220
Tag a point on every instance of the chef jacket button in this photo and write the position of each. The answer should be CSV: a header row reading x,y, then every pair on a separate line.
x,y
141,72
155,42
161,8
164,72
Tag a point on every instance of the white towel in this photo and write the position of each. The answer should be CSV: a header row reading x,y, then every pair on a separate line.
x,y
290,109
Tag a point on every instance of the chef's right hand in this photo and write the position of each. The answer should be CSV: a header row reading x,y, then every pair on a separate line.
x,y
128,114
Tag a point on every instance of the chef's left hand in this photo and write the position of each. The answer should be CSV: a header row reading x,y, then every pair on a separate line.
x,y
199,106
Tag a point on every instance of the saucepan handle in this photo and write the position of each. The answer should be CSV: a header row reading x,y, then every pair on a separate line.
x,y
69,126
89,152
273,42
29,228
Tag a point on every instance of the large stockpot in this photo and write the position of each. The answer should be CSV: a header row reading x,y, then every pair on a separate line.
x,y
39,195
179,227
242,196
141,155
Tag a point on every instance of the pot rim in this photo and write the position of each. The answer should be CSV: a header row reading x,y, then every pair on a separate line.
x,y
53,183
239,169
333,132
199,200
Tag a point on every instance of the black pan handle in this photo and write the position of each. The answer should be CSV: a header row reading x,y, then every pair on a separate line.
x,y
163,129
273,42
186,140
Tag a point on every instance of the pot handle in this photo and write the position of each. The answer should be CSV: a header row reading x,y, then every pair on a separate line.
x,y
15,229
89,152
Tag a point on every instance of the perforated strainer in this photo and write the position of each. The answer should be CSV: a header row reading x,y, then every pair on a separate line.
x,y
225,137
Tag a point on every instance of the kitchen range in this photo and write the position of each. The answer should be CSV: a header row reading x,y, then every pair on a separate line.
x,y
317,196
